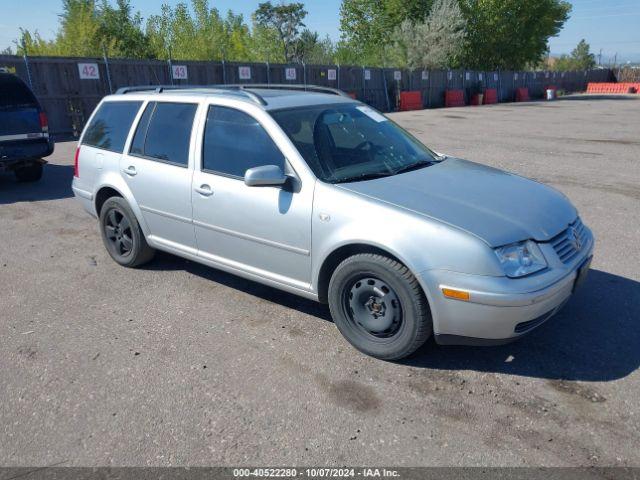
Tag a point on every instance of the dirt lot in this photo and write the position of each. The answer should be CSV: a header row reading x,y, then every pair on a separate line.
x,y
178,364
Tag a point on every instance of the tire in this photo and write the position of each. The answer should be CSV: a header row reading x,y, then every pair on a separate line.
x,y
121,234
30,173
379,306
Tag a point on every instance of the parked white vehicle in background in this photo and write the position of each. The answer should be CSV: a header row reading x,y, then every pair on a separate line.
x,y
322,196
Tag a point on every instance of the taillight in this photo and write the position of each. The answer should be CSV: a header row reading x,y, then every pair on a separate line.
x,y
44,122
76,170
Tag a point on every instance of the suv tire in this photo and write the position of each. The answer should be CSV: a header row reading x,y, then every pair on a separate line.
x,y
121,233
30,173
379,306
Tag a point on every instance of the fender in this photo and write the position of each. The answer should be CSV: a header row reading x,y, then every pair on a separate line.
x,y
112,179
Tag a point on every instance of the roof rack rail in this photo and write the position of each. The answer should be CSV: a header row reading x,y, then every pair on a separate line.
x,y
287,86
213,88
245,88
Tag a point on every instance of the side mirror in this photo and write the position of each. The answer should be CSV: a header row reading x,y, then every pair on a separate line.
x,y
265,176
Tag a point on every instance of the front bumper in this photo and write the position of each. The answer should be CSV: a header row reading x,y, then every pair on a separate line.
x,y
500,309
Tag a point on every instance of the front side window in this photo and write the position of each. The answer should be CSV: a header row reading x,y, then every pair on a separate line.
x,y
235,142
351,142
110,125
164,132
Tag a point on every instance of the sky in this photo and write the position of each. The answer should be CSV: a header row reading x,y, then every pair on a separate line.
x,y
610,25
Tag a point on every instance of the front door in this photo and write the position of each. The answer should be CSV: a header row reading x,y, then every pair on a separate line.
x,y
265,231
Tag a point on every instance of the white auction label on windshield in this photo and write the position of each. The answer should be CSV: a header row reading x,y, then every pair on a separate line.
x,y
372,114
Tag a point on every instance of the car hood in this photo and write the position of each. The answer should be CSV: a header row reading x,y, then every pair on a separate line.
x,y
499,207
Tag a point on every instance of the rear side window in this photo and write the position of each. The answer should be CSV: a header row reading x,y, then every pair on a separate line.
x,y
110,125
164,132
14,93
235,142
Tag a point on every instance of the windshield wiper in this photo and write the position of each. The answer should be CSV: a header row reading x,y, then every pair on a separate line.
x,y
413,166
364,176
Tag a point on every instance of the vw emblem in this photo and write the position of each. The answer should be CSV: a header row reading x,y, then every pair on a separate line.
x,y
575,239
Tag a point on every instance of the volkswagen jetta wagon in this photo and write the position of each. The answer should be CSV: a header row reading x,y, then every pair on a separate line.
x,y
320,195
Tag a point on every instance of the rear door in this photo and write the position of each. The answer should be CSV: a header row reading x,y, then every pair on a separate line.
x,y
158,169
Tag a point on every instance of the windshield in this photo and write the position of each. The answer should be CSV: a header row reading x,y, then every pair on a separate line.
x,y
351,142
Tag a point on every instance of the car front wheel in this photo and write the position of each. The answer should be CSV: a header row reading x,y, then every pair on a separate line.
x,y
122,235
379,306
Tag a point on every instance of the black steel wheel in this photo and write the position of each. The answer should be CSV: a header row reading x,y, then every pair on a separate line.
x,y
122,235
379,306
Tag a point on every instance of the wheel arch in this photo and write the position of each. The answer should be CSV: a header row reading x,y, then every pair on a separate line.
x,y
341,253
107,190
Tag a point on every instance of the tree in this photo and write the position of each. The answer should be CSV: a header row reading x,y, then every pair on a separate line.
x,y
508,34
310,49
581,56
436,42
367,26
286,19
120,31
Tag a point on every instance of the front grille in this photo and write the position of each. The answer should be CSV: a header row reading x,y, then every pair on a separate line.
x,y
570,242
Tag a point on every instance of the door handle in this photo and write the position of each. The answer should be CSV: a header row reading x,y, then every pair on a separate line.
x,y
130,170
204,190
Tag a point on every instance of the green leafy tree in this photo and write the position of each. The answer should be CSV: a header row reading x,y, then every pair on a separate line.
x,y
436,42
120,31
286,19
581,58
311,49
368,26
509,34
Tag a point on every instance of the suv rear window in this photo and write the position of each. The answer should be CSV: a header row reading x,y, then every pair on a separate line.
x,y
164,132
110,125
14,93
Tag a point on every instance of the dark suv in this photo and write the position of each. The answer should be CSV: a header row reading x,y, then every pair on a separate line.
x,y
24,130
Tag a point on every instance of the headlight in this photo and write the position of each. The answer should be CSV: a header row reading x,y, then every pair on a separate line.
x,y
520,259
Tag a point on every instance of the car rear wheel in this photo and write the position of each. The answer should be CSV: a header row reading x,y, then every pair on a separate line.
x,y
379,306
122,235
30,173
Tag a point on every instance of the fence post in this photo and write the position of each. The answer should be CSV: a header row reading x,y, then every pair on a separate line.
x,y
170,66
268,73
26,64
338,79
386,90
304,75
224,73
364,83
106,64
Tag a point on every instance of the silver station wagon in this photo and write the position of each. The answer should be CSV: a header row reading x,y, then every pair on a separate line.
x,y
320,195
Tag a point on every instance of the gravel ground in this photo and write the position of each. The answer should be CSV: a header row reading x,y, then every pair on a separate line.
x,y
179,364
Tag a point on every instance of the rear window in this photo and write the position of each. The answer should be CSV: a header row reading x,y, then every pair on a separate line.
x,y
14,93
164,132
110,125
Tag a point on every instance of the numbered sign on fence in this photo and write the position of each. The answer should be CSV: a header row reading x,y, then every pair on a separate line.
x,y
397,75
88,71
515,76
244,73
179,72
290,73
425,75
480,76
332,74
467,76
495,77
367,74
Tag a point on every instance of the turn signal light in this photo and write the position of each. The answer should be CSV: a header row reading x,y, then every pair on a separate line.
x,y
457,294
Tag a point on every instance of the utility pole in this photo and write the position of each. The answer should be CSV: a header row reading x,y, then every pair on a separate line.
x,y
600,58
